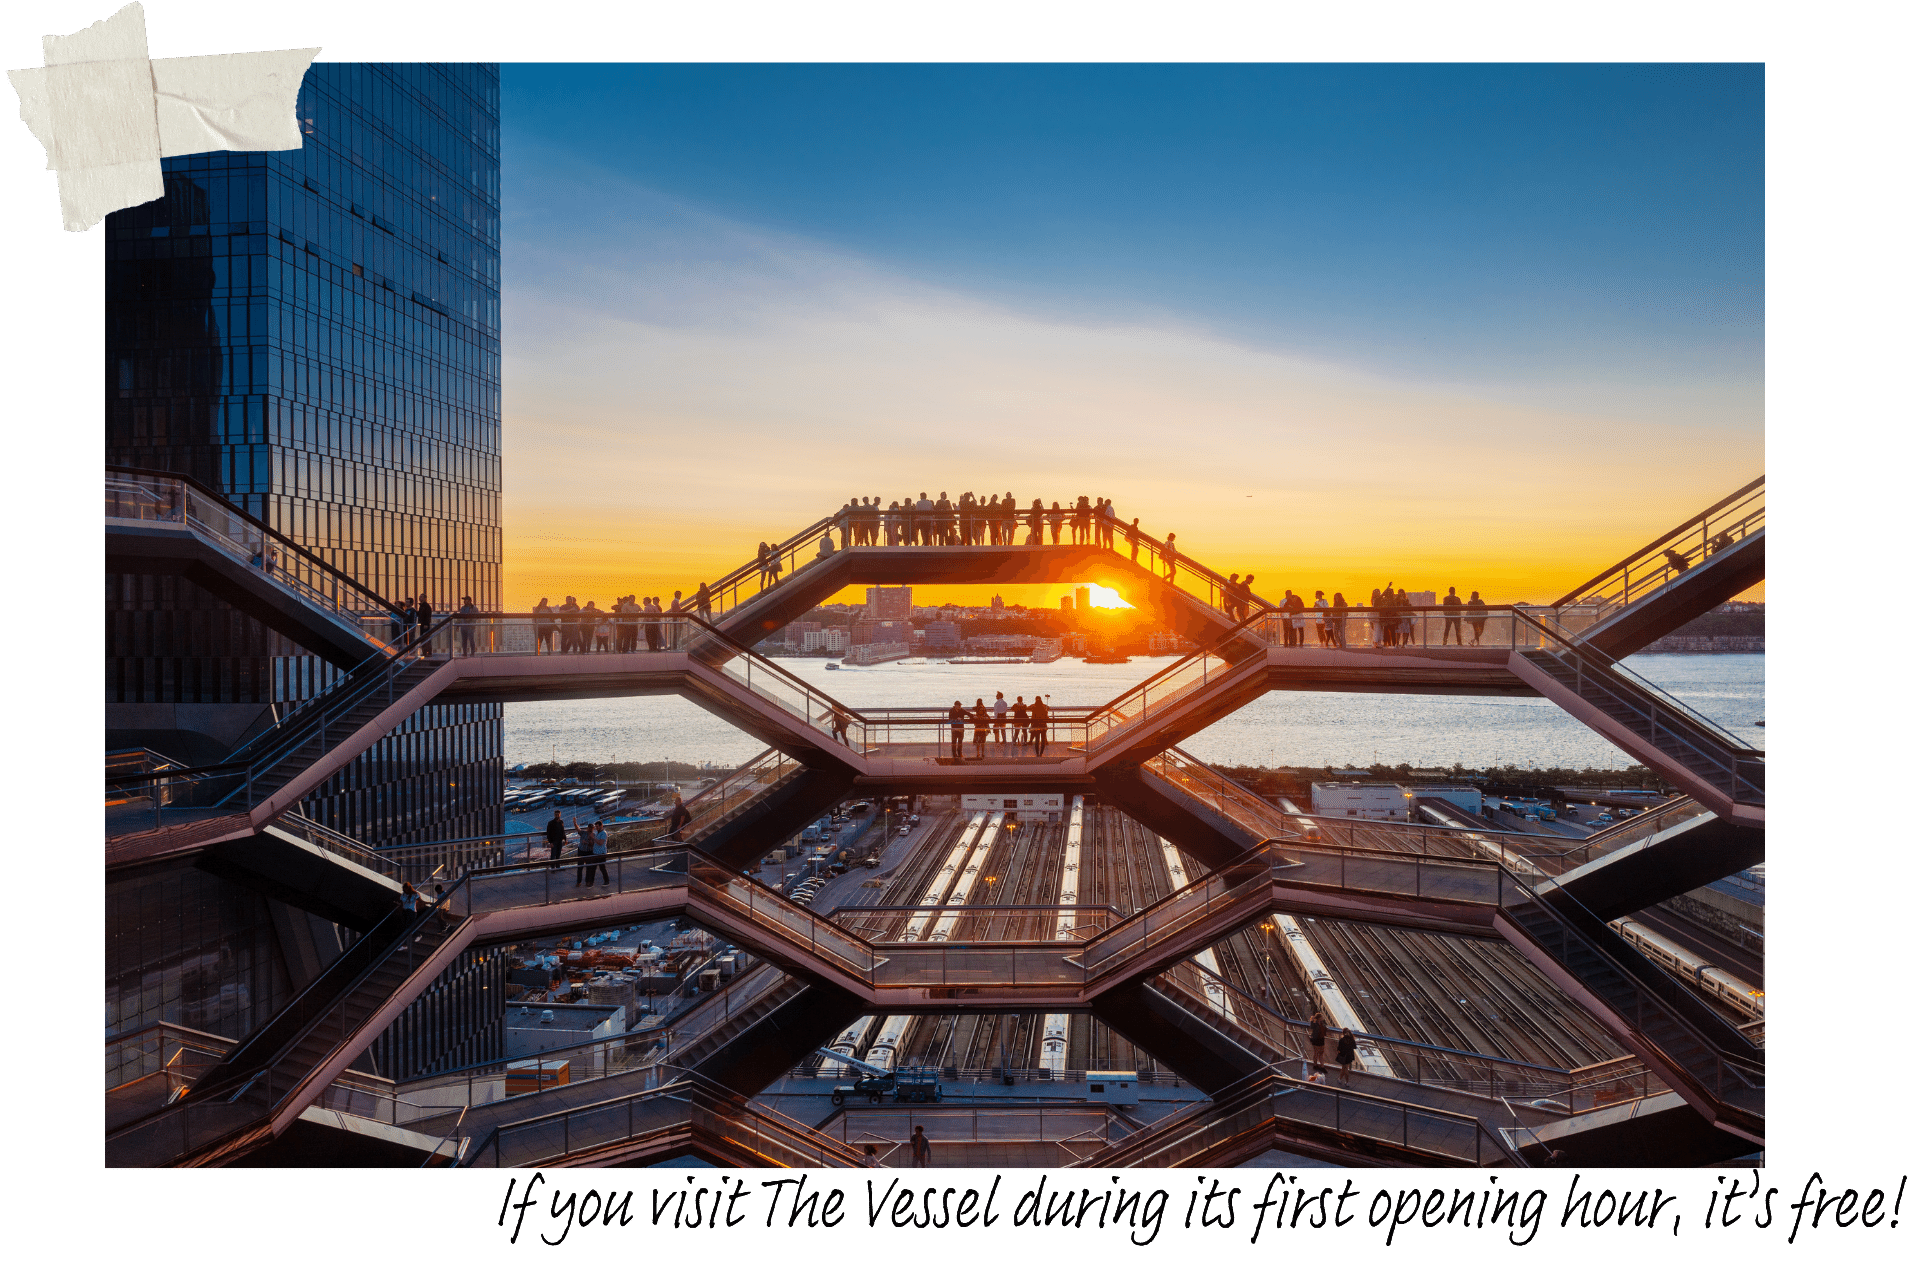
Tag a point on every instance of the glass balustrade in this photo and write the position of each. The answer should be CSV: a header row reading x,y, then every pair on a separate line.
x,y
150,498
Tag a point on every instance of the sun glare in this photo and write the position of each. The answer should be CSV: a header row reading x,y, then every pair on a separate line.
x,y
1106,598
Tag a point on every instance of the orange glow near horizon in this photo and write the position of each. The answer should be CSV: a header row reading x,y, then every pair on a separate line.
x,y
564,552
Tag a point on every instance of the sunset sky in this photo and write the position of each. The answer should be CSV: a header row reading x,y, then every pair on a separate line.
x,y
1485,327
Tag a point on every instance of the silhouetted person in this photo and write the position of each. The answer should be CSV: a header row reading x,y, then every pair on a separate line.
x,y
593,854
1676,560
922,1149
1343,1053
1317,615
981,722
840,723
1317,1038
1451,605
556,838
1000,710
1476,615
957,726
1055,518
469,628
703,602
542,632
1019,716
679,818
1337,621
1172,555
1133,539
423,616
1037,726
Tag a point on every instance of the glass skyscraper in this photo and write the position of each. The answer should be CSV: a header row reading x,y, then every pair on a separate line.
x,y
316,335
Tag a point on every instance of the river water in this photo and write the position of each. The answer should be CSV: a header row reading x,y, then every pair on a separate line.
x,y
1288,728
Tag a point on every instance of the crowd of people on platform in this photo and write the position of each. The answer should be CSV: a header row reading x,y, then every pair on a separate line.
x,y
1391,618
1027,722
994,520
572,627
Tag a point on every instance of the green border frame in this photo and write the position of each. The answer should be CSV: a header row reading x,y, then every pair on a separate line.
x,y
1840,81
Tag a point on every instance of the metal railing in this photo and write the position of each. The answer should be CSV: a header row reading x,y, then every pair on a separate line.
x,y
907,531
1733,1078
1541,856
1266,1096
693,1103
973,1121
1429,877
1414,1063
1654,567
157,497
1736,766
238,781
321,1012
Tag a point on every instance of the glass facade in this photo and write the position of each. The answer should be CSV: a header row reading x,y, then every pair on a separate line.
x,y
189,948
316,334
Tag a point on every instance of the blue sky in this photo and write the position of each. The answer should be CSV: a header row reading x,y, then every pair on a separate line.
x,y
1236,298
1482,224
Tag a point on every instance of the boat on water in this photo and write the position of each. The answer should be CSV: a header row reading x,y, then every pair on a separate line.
x,y
833,666
986,662
1105,658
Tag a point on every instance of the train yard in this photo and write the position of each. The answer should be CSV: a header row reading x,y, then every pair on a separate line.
x,y
1466,994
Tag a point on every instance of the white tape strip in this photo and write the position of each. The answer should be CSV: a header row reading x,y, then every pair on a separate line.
x,y
106,113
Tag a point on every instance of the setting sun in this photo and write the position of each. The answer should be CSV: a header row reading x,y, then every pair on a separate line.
x,y
1105,598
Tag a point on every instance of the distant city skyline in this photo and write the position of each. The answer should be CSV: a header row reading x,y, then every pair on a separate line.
x,y
1484,327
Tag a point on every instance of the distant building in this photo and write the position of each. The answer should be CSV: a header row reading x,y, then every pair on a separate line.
x,y
879,631
1066,604
1379,801
1168,642
1083,597
541,1028
944,636
889,602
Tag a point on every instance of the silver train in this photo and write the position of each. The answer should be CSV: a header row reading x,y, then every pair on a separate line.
x,y
1676,959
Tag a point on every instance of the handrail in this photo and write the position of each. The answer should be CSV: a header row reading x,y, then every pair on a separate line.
x,y
1743,1070
789,553
1658,543
315,707
1577,849
307,1012
248,517
1263,1086
1608,667
1410,1046
695,1090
